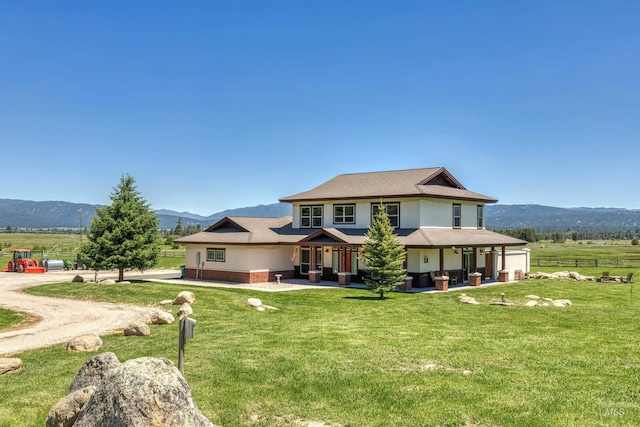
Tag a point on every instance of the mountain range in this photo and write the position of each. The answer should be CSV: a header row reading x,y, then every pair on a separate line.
x,y
59,214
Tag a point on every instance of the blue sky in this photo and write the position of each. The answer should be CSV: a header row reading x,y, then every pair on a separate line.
x,y
212,105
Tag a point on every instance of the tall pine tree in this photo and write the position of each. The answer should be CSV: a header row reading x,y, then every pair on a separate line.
x,y
384,255
123,235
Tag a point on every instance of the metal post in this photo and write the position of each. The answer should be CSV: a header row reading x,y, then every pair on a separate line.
x,y
186,331
181,343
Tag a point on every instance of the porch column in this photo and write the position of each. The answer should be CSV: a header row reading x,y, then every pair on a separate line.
x,y
475,259
503,275
441,262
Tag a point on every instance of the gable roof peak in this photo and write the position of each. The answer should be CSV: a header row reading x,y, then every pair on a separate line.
x,y
425,182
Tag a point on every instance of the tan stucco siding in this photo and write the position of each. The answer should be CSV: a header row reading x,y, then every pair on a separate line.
x,y
416,260
242,258
409,212
439,213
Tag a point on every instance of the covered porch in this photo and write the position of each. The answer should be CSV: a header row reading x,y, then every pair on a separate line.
x,y
328,255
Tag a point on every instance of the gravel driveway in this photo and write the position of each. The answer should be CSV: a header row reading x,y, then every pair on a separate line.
x,y
62,319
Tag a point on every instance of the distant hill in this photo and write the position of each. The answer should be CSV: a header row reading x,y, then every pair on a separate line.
x,y
547,218
59,214
168,219
28,214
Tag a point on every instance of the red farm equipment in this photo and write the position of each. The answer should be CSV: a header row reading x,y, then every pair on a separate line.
x,y
23,263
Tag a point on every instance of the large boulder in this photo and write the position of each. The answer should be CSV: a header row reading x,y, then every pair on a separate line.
x,y
66,411
185,310
137,329
184,296
94,370
142,392
10,365
87,342
161,317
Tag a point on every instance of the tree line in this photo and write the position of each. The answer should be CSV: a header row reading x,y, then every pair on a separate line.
x,y
180,230
531,235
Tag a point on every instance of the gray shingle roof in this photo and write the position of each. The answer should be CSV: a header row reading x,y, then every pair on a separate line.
x,y
247,230
428,182
275,231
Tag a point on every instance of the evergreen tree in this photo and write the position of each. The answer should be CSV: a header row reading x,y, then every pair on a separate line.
x,y
178,230
123,235
384,256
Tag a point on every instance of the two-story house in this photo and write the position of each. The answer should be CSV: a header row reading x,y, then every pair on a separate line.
x,y
440,223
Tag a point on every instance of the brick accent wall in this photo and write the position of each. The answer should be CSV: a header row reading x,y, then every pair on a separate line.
x,y
238,276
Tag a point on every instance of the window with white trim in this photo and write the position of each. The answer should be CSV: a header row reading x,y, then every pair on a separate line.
x,y
344,214
311,216
480,216
216,254
457,215
393,212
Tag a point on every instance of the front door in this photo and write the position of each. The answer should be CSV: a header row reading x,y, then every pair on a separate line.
x,y
345,259
310,259
488,265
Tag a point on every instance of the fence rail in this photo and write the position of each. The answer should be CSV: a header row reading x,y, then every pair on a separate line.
x,y
586,262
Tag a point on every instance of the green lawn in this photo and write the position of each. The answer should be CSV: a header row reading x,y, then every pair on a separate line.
x,y
585,254
343,357
10,318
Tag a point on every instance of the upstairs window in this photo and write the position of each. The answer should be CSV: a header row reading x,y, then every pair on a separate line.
x,y
344,214
311,216
393,212
457,216
480,216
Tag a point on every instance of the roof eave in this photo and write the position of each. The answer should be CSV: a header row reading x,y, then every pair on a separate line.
x,y
485,199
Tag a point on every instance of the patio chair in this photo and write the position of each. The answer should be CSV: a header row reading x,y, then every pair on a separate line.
x,y
453,280
605,277
432,275
628,279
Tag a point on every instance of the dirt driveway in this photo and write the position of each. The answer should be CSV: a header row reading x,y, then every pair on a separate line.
x,y
60,319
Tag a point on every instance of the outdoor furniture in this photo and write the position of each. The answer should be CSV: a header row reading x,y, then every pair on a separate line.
x,y
628,279
605,277
453,280
432,274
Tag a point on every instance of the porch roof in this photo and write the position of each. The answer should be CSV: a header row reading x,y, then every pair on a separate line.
x,y
274,231
423,237
247,230
447,237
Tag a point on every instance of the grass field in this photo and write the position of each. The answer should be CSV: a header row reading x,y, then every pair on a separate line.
x,y
66,247
608,253
346,358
